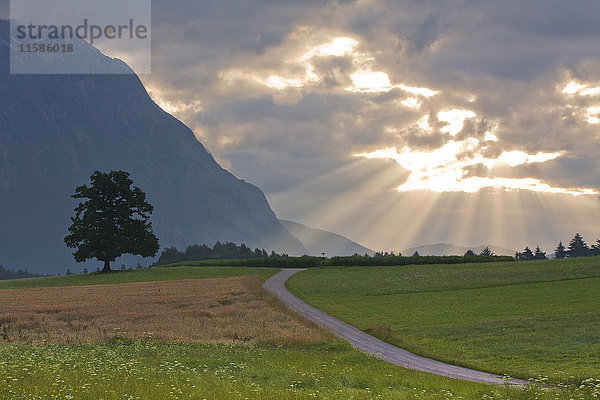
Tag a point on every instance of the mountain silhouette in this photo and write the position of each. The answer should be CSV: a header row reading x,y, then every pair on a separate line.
x,y
55,130
317,241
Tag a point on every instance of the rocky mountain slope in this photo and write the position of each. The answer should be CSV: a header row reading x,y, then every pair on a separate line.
x,y
55,130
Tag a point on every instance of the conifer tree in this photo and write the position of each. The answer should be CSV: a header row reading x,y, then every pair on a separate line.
x,y
486,252
560,251
578,247
539,254
596,249
528,254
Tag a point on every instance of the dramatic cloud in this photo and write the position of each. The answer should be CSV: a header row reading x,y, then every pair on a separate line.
x,y
471,97
473,121
445,169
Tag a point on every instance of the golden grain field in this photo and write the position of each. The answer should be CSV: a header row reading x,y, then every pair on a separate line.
x,y
224,310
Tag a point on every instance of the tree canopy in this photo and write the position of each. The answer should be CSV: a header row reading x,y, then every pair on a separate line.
x,y
469,253
560,251
6,274
486,252
595,250
112,220
526,255
539,254
578,247
228,250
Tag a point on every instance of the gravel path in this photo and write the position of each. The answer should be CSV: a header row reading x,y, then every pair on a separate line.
x,y
372,345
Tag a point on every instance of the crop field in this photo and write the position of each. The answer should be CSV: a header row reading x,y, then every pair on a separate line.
x,y
224,310
527,320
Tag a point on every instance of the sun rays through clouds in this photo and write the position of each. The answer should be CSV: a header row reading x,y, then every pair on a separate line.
x,y
397,122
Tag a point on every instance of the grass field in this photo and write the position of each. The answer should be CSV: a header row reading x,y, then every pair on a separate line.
x,y
296,361
121,369
521,319
143,275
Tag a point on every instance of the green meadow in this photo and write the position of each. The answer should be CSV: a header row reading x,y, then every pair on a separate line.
x,y
330,369
142,275
143,370
526,319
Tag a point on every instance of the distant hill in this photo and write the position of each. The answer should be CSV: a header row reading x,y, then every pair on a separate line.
x,y
317,241
55,130
445,249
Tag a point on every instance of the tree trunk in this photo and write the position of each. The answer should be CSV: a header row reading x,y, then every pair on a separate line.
x,y
106,267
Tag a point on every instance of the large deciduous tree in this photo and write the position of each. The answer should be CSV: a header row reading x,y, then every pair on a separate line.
x,y
112,220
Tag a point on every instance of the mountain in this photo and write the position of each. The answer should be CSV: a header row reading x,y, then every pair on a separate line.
x,y
444,249
317,241
55,130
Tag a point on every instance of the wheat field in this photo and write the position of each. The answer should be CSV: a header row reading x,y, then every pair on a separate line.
x,y
223,310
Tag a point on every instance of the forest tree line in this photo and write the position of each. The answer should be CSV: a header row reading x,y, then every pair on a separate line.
x,y
231,254
219,251
577,247
6,274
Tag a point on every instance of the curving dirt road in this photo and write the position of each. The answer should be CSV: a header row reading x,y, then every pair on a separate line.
x,y
372,345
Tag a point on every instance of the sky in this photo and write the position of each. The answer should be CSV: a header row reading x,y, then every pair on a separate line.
x,y
396,123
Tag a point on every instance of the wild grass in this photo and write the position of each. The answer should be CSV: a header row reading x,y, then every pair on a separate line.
x,y
522,319
223,310
121,369
143,275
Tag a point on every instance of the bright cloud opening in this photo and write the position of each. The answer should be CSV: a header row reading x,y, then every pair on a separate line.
x,y
364,79
445,169
367,81
371,82
277,82
574,88
411,102
338,47
490,137
177,108
417,91
593,115
516,157
475,184
423,123
455,119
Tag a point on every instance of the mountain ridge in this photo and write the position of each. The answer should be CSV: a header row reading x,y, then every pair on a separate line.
x,y
55,130
317,241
